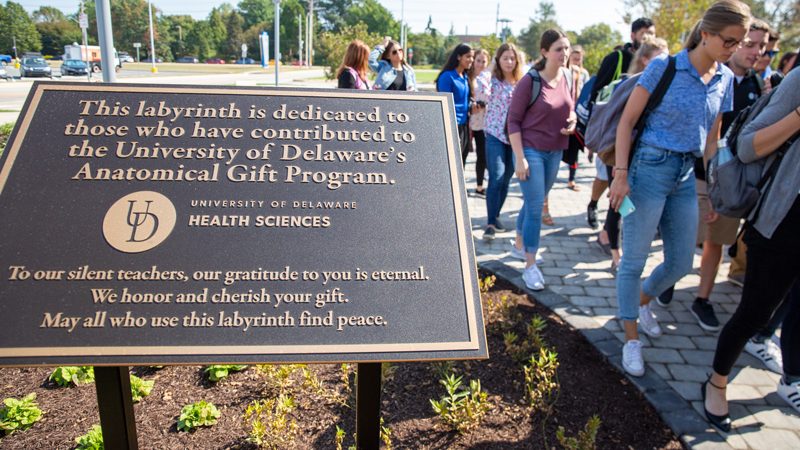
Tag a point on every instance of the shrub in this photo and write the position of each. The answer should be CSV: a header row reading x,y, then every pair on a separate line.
x,y
67,375
5,132
140,388
462,408
200,414
269,422
19,415
586,438
541,381
220,371
93,440
501,314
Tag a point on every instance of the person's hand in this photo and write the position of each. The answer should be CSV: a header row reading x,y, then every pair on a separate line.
x,y
711,216
386,40
570,128
521,168
619,189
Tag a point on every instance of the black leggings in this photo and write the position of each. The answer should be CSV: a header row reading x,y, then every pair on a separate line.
x,y
480,152
772,269
464,143
612,217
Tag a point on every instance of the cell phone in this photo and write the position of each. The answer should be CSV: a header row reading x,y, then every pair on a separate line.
x,y
626,207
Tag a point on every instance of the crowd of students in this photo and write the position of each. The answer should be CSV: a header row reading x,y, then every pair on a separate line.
x,y
674,110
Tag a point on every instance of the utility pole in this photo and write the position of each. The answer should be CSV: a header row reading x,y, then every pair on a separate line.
x,y
152,38
505,26
108,56
403,24
83,22
497,18
277,38
310,45
300,38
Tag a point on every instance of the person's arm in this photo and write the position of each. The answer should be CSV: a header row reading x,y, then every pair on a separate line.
x,y
346,80
630,115
374,61
605,74
444,83
766,140
516,114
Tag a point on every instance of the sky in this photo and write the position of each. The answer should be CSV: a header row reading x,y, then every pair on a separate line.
x,y
466,16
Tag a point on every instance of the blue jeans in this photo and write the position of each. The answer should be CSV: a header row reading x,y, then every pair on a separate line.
x,y
500,163
663,192
543,167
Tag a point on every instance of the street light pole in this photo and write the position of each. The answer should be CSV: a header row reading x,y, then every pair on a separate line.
x,y
277,38
152,37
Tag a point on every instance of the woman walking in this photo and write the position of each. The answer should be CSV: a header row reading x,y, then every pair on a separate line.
x,y
660,180
539,133
388,61
453,78
506,72
352,74
579,77
773,244
480,85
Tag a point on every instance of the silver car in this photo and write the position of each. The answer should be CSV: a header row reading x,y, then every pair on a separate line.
x,y
4,73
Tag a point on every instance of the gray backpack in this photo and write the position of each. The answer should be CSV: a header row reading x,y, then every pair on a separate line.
x,y
736,188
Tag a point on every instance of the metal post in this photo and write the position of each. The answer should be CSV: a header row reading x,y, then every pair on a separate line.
x,y
152,37
107,52
300,38
310,33
84,23
116,407
277,38
368,406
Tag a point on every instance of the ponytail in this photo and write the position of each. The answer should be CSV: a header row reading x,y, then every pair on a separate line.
x,y
721,14
694,38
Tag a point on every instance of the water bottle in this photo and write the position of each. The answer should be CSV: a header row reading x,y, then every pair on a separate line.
x,y
723,151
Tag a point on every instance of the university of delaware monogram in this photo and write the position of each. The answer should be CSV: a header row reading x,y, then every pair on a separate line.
x,y
139,221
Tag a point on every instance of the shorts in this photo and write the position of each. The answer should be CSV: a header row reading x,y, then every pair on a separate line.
x,y
602,174
723,231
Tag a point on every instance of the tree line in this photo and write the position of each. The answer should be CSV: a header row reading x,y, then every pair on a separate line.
x,y
336,22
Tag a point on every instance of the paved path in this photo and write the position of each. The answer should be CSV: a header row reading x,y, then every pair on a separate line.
x,y
581,289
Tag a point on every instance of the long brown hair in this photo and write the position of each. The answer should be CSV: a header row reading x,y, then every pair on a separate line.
x,y
516,73
356,57
721,14
387,53
549,38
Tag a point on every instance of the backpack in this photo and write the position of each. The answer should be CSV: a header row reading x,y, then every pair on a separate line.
x,y
736,188
536,90
601,131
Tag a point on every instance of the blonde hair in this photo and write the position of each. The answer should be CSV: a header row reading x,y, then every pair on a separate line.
x,y
649,46
721,14
516,73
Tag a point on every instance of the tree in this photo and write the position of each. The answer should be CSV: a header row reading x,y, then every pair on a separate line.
x,y
530,37
55,29
16,23
332,14
378,19
48,14
332,46
597,41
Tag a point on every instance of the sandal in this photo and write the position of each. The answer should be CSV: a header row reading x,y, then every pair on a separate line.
x,y
547,219
572,186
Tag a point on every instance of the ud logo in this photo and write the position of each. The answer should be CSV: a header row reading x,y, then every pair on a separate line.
x,y
139,221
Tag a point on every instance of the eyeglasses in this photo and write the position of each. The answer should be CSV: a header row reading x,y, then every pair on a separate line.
x,y
728,42
771,53
394,52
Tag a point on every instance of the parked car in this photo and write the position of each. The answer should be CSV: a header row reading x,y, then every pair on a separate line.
x,y
3,73
5,58
149,60
245,61
74,67
35,66
215,61
124,57
188,60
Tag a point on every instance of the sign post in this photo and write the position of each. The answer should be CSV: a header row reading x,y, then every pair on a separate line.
x,y
209,225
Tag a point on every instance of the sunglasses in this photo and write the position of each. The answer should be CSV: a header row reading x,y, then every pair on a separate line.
x,y
394,52
728,42
771,53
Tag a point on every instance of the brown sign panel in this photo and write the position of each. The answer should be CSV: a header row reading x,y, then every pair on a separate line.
x,y
152,224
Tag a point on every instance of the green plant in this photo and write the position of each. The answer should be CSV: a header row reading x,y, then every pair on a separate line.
x,y
462,408
586,438
220,371
535,328
270,423
443,368
280,376
345,377
5,132
66,375
541,382
520,351
340,435
386,436
487,283
501,314
387,372
140,388
200,414
93,440
19,415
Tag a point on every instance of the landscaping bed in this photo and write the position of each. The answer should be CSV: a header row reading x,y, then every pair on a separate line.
x,y
324,400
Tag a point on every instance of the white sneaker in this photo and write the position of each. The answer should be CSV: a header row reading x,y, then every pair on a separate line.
x,y
647,322
767,352
533,278
632,360
790,393
520,254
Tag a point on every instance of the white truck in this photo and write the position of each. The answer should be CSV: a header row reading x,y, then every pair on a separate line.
x,y
90,54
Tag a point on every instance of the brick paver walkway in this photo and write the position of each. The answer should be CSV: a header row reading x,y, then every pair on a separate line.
x,y
581,289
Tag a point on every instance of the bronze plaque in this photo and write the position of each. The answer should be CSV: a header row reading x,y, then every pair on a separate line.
x,y
195,224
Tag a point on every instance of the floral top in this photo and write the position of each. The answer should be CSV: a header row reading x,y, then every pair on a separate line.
x,y
483,90
497,110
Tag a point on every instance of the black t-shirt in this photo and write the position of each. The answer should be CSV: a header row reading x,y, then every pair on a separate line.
x,y
605,75
399,83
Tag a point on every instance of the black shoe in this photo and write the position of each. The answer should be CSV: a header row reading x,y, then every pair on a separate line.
x,y
704,313
499,226
666,297
480,192
722,423
591,217
488,233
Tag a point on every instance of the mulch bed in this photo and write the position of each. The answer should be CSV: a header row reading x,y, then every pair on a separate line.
x,y
588,385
